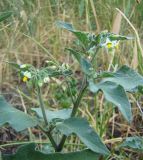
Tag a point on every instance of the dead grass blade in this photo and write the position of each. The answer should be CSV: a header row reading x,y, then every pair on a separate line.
x,y
117,23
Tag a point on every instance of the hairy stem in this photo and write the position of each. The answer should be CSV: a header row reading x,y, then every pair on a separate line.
x,y
42,105
78,100
45,118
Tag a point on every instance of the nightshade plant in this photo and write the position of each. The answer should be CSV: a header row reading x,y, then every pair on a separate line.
x,y
65,122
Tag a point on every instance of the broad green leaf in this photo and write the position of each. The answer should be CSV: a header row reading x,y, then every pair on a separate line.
x,y
5,15
93,87
76,54
135,143
84,63
116,94
105,74
29,152
14,117
87,135
82,36
126,77
59,114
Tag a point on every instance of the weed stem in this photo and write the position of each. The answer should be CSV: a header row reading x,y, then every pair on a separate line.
x,y
45,118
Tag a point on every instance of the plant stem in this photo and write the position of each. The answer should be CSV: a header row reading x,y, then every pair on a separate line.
x,y
42,105
78,100
76,104
45,118
47,133
74,110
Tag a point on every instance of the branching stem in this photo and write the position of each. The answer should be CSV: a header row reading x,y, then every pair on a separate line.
x,y
76,103
74,110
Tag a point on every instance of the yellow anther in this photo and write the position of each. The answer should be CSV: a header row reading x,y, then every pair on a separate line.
x,y
25,79
109,45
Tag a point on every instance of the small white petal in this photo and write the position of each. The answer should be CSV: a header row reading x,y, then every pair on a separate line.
x,y
46,79
27,74
23,66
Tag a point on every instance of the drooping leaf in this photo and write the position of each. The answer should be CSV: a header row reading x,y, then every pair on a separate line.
x,y
116,94
59,114
14,117
82,36
87,135
127,77
5,15
135,143
29,152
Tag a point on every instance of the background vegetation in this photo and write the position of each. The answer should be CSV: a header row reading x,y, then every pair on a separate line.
x,y
30,34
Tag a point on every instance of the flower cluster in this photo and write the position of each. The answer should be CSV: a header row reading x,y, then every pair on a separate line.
x,y
105,39
34,76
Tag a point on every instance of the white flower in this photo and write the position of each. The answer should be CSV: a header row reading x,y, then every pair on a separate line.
x,y
46,79
110,44
23,66
27,74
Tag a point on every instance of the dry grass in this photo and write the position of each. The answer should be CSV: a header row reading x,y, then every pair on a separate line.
x,y
30,36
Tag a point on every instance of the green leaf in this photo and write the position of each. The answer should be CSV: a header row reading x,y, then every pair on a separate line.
x,y
76,54
84,63
117,37
29,152
135,143
101,39
126,77
17,119
5,15
116,94
65,25
82,36
87,135
59,114
93,87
